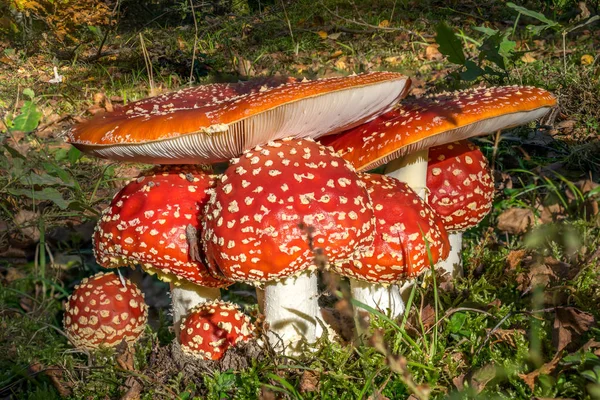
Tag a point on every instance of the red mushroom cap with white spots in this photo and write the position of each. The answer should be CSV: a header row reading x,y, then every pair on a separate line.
x,y
217,122
211,328
104,311
460,183
279,205
442,118
403,222
154,221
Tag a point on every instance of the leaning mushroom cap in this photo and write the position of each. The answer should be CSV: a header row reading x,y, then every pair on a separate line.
x,y
153,221
432,121
211,328
405,226
104,311
217,122
460,183
279,205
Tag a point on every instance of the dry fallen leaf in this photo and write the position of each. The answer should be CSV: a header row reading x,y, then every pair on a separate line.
x,y
384,24
309,382
516,220
514,258
322,34
482,377
545,369
528,58
432,53
569,324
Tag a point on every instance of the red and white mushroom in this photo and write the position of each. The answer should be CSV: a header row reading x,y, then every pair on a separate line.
x,y
154,221
211,328
461,190
218,122
277,210
405,228
401,137
104,311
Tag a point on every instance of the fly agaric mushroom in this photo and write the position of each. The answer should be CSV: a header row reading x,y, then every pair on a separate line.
x,y
153,221
217,122
104,311
209,329
461,190
276,209
405,227
402,136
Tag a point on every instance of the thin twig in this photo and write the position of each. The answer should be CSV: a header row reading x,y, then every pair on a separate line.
x,y
289,26
99,52
195,41
148,63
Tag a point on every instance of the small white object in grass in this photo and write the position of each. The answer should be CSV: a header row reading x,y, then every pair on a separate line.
x,y
57,78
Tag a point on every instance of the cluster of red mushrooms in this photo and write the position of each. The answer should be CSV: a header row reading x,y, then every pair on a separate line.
x,y
295,196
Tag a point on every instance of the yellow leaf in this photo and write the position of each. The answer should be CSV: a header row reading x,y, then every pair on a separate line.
x,y
322,34
335,54
528,58
587,59
384,24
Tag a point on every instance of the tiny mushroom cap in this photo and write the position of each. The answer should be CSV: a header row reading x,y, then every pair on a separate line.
x,y
432,121
211,328
280,205
460,183
153,221
217,122
103,311
405,226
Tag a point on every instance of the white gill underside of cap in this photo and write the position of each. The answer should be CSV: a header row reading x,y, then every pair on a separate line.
x,y
311,117
479,128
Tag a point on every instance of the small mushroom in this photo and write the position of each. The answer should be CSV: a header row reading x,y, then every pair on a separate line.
x,y
409,237
104,311
153,221
279,210
461,190
211,328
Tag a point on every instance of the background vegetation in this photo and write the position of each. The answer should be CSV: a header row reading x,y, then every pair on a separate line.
x,y
522,323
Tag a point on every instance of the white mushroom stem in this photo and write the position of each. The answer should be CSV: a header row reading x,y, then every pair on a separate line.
x,y
453,264
186,296
412,170
291,311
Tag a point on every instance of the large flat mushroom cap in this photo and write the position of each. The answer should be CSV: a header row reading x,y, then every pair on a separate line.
x,y
435,120
280,205
405,225
460,183
154,221
217,122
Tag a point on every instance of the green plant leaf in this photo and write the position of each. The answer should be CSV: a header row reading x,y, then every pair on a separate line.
x,y
485,30
472,72
42,179
450,44
490,50
29,93
50,194
28,119
534,14
73,155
